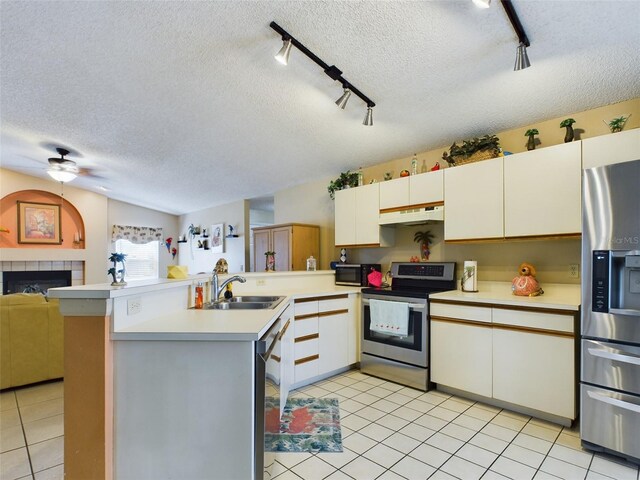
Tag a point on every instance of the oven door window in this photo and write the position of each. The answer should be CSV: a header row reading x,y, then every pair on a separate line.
x,y
413,341
350,275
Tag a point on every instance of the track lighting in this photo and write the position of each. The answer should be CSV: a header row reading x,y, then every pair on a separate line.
x,y
342,101
482,3
368,119
283,55
522,59
330,70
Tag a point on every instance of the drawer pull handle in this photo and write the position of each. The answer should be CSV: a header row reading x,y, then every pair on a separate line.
x,y
611,355
615,402
624,311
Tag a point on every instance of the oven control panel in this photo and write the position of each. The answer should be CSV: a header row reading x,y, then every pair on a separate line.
x,y
424,271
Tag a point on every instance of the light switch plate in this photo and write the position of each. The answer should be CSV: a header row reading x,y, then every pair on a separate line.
x,y
134,305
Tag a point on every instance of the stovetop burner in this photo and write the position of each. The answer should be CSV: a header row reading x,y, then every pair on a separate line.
x,y
418,280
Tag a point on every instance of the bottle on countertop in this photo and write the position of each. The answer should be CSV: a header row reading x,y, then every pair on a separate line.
x,y
199,295
360,177
414,164
228,293
311,264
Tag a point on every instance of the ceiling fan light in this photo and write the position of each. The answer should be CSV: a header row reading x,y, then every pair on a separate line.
x,y
283,55
482,3
368,119
522,59
61,175
342,101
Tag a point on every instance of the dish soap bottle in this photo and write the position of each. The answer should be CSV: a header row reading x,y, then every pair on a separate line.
x,y
199,296
228,293
414,164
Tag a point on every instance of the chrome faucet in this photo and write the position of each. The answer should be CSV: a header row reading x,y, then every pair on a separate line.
x,y
217,290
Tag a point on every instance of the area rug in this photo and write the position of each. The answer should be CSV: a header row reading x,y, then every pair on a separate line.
x,y
307,425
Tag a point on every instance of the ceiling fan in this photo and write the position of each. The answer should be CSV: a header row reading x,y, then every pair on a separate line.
x,y
62,169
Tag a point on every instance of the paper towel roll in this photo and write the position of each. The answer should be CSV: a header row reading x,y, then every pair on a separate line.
x,y
470,276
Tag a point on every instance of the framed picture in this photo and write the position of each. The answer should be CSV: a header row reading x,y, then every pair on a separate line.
x,y
39,223
217,238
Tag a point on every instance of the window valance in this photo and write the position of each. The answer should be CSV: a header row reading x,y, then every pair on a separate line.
x,y
137,235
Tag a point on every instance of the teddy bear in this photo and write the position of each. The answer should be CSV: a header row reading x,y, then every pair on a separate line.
x,y
526,284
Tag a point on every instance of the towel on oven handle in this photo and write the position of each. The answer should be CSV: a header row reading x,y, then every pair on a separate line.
x,y
390,318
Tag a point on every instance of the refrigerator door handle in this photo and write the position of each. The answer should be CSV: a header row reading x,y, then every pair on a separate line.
x,y
613,354
624,311
614,401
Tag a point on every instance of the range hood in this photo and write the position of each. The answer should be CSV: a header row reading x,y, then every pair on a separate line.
x,y
413,216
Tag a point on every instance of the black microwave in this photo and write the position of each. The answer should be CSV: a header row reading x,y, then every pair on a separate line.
x,y
355,274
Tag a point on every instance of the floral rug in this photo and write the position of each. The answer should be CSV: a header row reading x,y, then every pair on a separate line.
x,y
307,425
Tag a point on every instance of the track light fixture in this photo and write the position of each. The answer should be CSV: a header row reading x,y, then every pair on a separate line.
x,y
342,101
522,59
331,70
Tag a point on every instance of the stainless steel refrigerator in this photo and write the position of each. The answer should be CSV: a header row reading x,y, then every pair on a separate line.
x,y
610,326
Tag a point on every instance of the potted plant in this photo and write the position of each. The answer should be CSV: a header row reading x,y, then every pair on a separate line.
x,y
617,124
478,148
568,124
424,239
531,133
346,179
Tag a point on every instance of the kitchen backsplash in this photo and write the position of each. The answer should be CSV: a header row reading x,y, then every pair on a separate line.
x,y
497,261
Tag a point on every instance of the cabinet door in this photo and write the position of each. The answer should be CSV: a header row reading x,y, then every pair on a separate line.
x,y
535,370
353,329
345,217
261,244
461,356
426,188
394,193
305,241
542,191
367,214
614,148
334,332
474,201
281,243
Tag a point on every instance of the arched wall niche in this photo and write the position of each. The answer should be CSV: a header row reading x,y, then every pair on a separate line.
x,y
72,222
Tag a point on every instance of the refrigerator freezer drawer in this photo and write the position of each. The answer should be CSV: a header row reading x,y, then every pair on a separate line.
x,y
610,420
611,365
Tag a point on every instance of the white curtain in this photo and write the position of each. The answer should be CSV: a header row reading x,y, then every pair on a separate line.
x,y
136,234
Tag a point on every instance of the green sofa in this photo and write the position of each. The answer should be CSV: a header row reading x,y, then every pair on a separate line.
x,y
31,339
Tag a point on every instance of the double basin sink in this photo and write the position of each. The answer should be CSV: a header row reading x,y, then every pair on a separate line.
x,y
245,302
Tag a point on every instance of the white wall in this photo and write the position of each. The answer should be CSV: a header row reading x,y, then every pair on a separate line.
x,y
310,203
236,250
260,217
121,213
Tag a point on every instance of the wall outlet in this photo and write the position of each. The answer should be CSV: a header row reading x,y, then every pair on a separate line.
x,y
574,270
261,282
134,305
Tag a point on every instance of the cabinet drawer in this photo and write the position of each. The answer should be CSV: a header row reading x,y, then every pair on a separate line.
x,y
306,326
334,304
305,308
545,321
601,359
464,312
305,370
306,348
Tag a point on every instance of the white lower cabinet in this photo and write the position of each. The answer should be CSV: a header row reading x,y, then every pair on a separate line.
x,y
334,348
535,371
523,357
461,356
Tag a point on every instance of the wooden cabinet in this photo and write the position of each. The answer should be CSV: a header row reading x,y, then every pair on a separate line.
x,y
608,149
293,244
542,192
425,189
357,213
523,356
324,334
474,201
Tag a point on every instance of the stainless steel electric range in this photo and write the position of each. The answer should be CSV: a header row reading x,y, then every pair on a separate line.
x,y
404,359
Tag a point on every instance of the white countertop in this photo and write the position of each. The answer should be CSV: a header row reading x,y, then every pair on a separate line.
x,y
558,296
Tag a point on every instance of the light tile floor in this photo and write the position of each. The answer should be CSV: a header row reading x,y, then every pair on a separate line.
x,y
390,432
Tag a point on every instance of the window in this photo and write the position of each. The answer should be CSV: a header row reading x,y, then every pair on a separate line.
x,y
142,259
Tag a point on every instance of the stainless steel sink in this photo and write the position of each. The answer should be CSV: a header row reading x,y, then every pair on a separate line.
x,y
245,303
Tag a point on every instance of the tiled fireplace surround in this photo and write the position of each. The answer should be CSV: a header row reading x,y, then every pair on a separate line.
x,y
76,267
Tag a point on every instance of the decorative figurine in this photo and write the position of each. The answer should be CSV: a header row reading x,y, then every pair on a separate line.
x,y
167,243
568,124
525,284
424,239
117,275
531,133
174,252
222,266
270,262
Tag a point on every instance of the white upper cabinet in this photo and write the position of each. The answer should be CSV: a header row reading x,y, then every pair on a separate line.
x,y
474,201
394,193
614,148
542,191
426,188
357,213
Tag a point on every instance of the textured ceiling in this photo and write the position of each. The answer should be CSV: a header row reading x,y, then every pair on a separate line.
x,y
180,106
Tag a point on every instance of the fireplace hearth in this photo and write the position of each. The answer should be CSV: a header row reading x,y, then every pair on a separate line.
x,y
36,281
